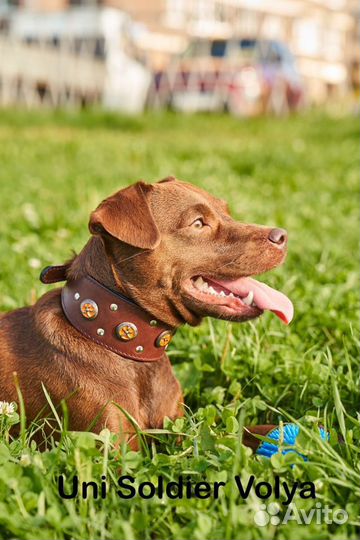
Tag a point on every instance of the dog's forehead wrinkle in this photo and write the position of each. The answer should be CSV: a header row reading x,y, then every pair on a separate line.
x,y
171,201
221,203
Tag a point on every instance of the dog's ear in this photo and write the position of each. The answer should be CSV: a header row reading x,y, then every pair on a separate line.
x,y
127,216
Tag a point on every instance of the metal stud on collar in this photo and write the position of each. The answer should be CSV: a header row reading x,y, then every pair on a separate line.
x,y
139,349
126,331
164,339
89,309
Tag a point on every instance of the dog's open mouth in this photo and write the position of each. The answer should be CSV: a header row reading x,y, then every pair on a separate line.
x,y
244,297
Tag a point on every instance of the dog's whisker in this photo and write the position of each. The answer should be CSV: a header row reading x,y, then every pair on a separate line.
x,y
225,264
135,255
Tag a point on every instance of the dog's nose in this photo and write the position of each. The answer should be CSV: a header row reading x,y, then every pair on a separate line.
x,y
278,237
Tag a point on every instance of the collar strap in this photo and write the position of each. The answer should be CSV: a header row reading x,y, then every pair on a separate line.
x,y
111,320
54,274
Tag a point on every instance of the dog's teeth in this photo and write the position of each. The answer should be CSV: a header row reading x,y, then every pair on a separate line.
x,y
222,293
248,299
199,283
211,290
204,286
231,294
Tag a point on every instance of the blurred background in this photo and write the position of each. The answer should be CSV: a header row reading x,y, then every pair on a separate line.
x,y
247,57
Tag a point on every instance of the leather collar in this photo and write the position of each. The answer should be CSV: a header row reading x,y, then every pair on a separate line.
x,y
110,319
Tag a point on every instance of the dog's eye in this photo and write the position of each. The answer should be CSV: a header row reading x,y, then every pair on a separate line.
x,y
198,224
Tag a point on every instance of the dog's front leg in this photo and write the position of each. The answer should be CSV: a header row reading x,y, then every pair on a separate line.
x,y
117,422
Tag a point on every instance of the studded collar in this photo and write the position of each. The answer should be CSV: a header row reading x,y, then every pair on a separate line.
x,y
110,319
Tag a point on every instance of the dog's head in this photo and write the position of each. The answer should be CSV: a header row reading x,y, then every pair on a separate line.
x,y
177,252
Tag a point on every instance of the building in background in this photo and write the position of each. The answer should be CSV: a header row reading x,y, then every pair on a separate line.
x,y
322,34
74,56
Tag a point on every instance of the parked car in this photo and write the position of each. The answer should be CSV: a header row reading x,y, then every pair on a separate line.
x,y
245,76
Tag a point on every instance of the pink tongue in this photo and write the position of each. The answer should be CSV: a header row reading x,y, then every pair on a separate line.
x,y
264,297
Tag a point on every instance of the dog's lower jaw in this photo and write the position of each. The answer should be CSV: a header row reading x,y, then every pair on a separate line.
x,y
168,310
186,315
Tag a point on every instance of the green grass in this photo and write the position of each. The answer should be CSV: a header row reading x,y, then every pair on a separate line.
x,y
297,173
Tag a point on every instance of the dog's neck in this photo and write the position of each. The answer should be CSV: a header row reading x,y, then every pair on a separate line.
x,y
98,308
94,261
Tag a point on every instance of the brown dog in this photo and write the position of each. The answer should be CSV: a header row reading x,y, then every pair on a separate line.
x,y
176,253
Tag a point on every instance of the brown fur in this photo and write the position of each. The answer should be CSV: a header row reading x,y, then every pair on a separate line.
x,y
143,244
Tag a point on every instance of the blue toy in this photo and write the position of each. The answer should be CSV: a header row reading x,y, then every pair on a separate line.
x,y
289,433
